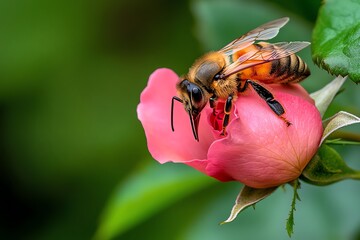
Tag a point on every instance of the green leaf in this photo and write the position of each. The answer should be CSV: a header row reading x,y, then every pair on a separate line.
x,y
325,95
146,192
248,196
327,167
336,38
290,221
339,120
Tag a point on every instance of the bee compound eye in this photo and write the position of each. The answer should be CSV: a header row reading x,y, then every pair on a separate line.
x,y
196,94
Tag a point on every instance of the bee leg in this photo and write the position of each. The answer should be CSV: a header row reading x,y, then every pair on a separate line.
x,y
269,98
212,102
243,88
227,111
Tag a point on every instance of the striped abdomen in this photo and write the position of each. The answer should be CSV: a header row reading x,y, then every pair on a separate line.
x,y
289,69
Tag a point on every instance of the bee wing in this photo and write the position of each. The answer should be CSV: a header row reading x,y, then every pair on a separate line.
x,y
263,32
264,54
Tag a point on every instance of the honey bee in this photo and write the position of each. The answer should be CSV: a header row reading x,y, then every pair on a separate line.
x,y
242,63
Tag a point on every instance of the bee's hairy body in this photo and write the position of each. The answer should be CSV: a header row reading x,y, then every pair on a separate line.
x,y
243,62
290,69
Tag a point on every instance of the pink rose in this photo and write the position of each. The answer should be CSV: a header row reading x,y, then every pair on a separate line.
x,y
259,150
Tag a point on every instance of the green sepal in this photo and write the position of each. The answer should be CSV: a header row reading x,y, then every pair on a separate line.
x,y
327,167
339,120
325,95
248,196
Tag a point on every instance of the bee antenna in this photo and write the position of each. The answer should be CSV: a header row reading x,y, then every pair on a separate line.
x,y
172,110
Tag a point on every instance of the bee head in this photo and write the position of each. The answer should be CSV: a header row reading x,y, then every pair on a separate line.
x,y
194,100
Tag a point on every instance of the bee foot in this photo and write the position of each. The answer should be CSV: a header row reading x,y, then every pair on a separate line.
x,y
287,122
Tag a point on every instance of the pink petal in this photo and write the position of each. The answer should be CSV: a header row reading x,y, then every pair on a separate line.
x,y
293,89
154,113
260,150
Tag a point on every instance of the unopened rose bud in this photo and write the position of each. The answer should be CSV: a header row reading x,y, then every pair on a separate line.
x,y
259,149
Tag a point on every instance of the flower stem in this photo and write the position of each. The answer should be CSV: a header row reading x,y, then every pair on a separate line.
x,y
290,221
355,175
345,135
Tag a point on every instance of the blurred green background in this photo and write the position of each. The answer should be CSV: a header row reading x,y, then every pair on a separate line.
x,y
74,161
